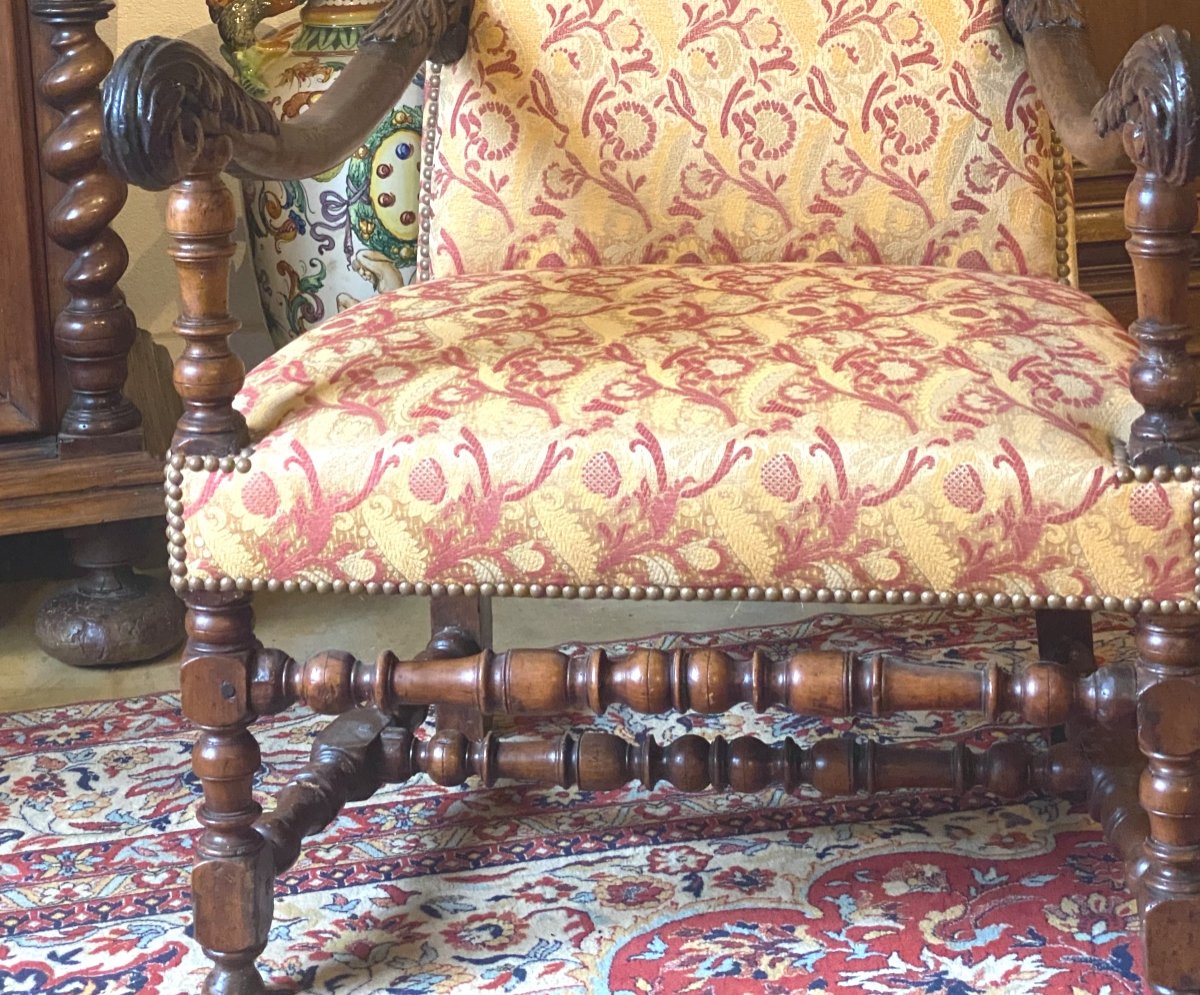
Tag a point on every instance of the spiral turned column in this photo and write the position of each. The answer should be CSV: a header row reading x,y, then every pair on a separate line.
x,y
110,615
96,329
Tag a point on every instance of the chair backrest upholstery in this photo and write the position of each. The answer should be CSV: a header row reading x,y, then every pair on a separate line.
x,y
592,132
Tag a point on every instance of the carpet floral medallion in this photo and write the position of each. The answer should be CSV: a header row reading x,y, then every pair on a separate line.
x,y
430,891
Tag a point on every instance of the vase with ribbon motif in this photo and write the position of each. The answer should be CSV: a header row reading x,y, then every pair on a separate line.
x,y
322,244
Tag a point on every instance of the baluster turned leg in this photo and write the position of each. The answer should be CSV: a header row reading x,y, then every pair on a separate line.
x,y
1169,736
469,616
232,881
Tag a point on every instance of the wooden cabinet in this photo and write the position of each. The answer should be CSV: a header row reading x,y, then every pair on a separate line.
x,y
74,450
26,382
1104,267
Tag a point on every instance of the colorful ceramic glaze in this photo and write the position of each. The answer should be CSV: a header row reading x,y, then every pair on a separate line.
x,y
322,244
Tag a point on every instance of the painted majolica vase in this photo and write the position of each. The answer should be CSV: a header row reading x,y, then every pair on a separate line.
x,y
322,244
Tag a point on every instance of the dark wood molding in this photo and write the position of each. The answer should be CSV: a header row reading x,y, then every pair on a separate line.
x,y
38,491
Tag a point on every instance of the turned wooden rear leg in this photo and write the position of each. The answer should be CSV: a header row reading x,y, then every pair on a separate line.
x,y
459,616
1065,637
1169,737
233,878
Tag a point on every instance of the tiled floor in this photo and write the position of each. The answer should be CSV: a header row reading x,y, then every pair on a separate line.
x,y
303,624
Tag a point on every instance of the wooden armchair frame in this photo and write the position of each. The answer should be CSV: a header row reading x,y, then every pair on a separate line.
x,y
175,121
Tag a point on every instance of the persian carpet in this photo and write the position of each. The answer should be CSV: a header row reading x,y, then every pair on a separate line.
x,y
430,891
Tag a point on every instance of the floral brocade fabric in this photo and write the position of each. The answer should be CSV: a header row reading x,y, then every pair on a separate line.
x,y
783,425
610,132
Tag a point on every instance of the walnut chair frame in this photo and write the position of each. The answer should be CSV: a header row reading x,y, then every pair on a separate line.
x,y
175,121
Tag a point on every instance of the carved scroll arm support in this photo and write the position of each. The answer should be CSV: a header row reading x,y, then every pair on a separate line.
x,y
172,119
1153,104
171,113
1148,115
1061,65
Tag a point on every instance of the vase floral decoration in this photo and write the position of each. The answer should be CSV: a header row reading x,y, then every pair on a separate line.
x,y
322,244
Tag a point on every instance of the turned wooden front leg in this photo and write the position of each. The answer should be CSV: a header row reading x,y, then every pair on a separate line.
x,y
1169,736
1153,101
233,878
201,219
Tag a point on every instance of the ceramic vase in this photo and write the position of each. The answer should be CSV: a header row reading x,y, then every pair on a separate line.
x,y
322,244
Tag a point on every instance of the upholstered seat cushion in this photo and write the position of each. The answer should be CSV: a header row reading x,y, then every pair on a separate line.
x,y
792,428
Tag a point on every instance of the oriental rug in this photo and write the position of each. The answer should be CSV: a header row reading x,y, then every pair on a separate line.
x,y
436,891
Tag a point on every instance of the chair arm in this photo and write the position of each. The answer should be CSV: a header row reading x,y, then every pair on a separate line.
x,y
1149,114
168,109
1060,63
172,119
1153,104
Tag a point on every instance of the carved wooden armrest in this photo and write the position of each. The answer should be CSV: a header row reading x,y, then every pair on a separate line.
x,y
173,119
170,112
1060,62
1149,114
1152,104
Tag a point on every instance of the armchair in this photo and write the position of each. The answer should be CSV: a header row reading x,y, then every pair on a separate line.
x,y
718,301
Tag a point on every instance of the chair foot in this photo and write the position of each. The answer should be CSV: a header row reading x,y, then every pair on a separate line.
x,y
1171,939
233,979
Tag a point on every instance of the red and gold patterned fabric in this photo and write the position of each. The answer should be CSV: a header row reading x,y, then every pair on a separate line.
x,y
779,425
613,132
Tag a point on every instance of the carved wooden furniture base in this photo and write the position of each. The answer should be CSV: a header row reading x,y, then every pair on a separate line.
x,y
111,615
109,505
229,680
83,395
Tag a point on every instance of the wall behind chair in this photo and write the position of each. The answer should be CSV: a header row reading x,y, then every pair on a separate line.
x,y
150,283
